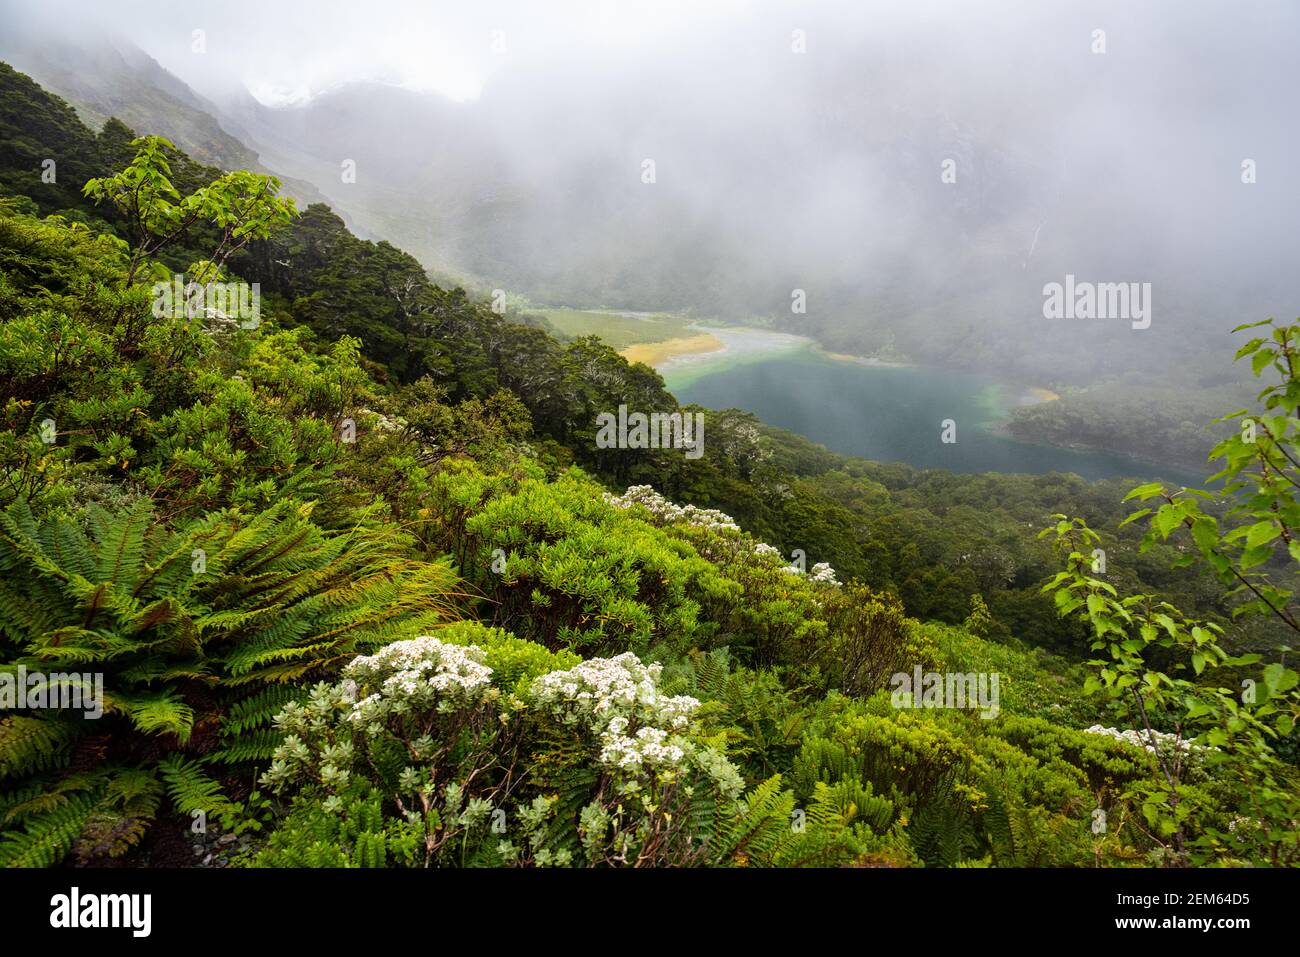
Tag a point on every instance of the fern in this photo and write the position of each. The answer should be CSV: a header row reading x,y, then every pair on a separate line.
x,y
279,599
33,744
259,709
756,832
190,790
941,833
47,838
121,818
250,747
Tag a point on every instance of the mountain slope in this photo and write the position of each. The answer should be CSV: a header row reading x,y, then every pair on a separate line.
x,y
114,78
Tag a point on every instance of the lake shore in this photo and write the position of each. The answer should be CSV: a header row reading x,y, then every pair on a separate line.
x,y
656,354
683,358
867,360
708,351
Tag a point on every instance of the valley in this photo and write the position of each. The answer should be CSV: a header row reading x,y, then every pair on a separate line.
x,y
886,411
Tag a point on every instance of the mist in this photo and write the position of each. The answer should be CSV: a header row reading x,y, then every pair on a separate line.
x,y
650,433
794,146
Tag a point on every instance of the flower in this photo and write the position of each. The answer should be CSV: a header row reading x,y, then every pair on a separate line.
x,y
638,726
664,512
415,674
1149,740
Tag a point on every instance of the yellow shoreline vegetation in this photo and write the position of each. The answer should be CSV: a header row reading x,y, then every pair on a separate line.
x,y
656,353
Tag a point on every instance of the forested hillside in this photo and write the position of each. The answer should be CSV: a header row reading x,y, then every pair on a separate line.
x,y
360,587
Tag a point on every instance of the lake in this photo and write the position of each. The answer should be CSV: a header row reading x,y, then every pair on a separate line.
x,y
881,412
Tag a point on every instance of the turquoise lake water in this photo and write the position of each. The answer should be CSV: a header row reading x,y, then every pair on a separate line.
x,y
884,413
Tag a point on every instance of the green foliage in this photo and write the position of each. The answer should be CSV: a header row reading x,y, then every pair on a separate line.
x,y
34,127
1159,663
175,626
241,205
869,640
242,530
771,832
574,571
762,720
467,765
1031,681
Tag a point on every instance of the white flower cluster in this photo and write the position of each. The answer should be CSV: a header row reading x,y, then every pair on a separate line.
x,y
1141,739
217,324
603,689
414,675
649,746
619,700
384,424
640,730
822,572
667,513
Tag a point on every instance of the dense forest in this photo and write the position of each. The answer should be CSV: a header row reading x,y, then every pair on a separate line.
x,y
361,588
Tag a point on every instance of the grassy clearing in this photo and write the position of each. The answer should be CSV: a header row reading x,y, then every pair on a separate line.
x,y
620,330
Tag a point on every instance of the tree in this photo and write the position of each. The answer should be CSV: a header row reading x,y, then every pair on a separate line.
x,y
242,205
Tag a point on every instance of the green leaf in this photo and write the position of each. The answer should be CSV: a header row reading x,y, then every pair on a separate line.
x,y
1205,533
1141,513
1167,519
1253,557
1144,492
1248,348
1279,678
1261,533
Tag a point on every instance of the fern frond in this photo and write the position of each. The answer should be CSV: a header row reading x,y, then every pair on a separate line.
x,y
46,838
33,744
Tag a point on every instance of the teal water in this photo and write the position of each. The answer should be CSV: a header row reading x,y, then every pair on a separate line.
x,y
891,414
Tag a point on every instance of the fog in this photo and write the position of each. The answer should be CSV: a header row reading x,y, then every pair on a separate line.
x,y
795,146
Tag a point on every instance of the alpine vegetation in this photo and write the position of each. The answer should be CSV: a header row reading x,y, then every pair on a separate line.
x,y
364,517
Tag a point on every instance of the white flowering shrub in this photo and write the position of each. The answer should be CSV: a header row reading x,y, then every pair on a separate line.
x,y
727,540
641,731
667,513
823,574
410,724
382,423
425,754
419,673
1151,741
656,774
